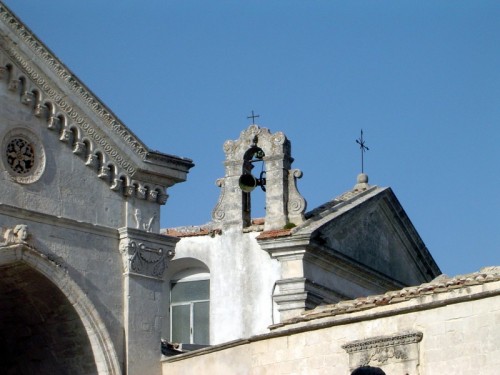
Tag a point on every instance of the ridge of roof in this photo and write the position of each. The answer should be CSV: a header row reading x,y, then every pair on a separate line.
x,y
339,204
440,284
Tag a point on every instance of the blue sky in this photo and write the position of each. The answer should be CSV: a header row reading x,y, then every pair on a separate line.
x,y
421,78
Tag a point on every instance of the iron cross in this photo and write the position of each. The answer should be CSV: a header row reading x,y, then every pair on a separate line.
x,y
363,148
253,117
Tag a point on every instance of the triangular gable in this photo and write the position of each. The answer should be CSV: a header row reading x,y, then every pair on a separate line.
x,y
76,115
372,229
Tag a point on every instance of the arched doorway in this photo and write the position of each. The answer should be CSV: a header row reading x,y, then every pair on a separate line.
x,y
40,331
48,325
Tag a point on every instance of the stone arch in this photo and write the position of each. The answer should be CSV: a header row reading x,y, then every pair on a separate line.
x,y
26,260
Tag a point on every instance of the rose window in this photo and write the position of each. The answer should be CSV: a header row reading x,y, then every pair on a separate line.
x,y
20,156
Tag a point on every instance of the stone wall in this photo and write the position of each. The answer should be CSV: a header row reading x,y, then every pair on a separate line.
x,y
452,332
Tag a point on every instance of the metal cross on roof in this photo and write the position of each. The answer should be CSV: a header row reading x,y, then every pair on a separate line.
x,y
253,117
363,148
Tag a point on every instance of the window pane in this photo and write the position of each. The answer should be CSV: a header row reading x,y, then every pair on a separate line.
x,y
181,323
201,323
190,291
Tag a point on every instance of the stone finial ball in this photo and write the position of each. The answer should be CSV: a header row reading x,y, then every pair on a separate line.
x,y
362,178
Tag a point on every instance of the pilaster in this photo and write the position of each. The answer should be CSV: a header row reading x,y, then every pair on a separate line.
x,y
145,258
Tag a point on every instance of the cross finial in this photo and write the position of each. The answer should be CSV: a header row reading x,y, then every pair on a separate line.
x,y
363,148
253,117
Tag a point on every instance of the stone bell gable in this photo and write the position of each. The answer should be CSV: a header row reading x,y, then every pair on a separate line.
x,y
284,204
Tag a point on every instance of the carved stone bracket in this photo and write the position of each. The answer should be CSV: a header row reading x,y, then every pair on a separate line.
x,y
397,353
296,203
144,253
218,212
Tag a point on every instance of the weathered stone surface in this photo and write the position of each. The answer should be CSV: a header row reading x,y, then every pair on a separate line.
x,y
71,175
452,331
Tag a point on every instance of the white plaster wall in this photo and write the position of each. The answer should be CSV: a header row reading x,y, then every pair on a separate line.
x,y
242,278
460,338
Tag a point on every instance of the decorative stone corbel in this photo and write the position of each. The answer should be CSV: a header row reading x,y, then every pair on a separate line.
x,y
40,111
78,148
117,184
13,85
152,196
53,122
145,254
65,135
17,235
91,161
103,173
129,191
27,98
141,192
162,198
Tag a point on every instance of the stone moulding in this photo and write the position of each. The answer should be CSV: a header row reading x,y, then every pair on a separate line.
x,y
72,82
399,352
80,120
383,341
76,114
88,140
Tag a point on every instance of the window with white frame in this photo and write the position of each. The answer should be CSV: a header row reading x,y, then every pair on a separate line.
x,y
190,309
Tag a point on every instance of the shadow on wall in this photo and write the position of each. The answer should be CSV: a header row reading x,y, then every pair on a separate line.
x,y
368,370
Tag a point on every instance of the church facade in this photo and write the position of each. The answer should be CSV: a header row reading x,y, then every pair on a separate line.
x,y
81,257
90,283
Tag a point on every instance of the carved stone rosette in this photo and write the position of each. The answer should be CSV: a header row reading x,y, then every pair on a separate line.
x,y
144,253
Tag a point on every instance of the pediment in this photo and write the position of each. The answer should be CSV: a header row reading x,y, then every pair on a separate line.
x,y
373,230
77,117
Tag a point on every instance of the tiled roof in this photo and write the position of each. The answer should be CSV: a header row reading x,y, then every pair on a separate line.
x,y
208,229
274,233
191,231
441,284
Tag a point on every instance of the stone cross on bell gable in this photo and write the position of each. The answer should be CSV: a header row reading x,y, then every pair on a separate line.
x,y
253,117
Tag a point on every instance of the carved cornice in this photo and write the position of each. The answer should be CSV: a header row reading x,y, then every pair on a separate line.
x,y
77,87
59,99
61,104
383,342
400,350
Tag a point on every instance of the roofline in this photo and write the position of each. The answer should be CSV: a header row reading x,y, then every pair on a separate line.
x,y
152,161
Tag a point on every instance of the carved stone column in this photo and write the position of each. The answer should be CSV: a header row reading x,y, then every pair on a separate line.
x,y
145,257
